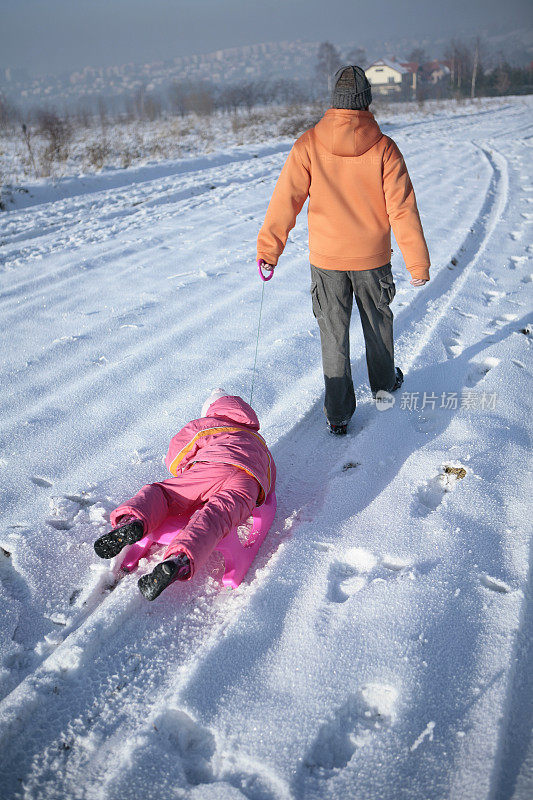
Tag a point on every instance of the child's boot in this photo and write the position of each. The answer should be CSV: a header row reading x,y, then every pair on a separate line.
x,y
173,569
110,544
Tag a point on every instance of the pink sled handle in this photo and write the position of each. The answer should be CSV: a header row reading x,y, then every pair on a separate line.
x,y
260,262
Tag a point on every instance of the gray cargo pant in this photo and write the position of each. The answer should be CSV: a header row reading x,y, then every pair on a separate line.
x,y
332,293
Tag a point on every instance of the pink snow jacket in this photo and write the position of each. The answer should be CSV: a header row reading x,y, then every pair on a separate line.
x,y
227,435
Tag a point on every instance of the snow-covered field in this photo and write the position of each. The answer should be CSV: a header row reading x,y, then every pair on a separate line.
x,y
124,144
380,647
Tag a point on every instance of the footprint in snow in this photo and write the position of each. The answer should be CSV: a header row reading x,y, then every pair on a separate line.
x,y
495,585
349,576
431,494
351,726
505,318
176,744
59,524
480,369
83,499
43,482
64,510
490,297
359,566
454,346
194,745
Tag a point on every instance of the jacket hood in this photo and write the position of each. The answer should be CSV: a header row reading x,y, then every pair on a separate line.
x,y
347,133
215,395
234,409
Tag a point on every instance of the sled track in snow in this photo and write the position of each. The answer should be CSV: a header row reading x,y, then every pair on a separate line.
x,y
57,691
100,216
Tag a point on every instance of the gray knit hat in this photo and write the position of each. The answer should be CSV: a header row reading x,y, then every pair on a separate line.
x,y
352,89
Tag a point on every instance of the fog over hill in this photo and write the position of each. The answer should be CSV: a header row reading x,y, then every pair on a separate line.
x,y
289,60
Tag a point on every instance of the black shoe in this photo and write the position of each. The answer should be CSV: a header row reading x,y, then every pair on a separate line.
x,y
397,383
163,575
110,544
399,379
339,430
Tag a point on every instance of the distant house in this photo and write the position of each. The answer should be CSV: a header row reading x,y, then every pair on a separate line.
x,y
391,79
434,71
413,68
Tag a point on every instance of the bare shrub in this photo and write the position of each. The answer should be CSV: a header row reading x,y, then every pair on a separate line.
x,y
127,157
97,154
239,123
296,125
58,132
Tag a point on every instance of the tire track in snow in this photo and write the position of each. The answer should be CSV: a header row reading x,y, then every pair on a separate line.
x,y
439,298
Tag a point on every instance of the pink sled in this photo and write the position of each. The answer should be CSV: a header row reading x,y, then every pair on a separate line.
x,y
238,556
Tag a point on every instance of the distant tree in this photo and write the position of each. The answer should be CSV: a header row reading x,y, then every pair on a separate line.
x,y
9,114
417,55
502,83
177,96
153,107
329,60
102,111
139,98
290,91
505,79
475,67
459,55
229,99
357,57
201,100
250,94
82,115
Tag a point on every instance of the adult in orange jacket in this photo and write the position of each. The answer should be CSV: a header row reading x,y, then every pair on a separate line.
x,y
358,187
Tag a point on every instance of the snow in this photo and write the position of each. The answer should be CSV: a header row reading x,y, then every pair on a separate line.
x,y
380,646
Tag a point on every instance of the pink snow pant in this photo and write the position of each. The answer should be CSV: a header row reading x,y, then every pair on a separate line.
x,y
219,496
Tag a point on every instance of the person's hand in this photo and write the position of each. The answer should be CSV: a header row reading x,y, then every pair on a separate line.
x,y
418,281
266,271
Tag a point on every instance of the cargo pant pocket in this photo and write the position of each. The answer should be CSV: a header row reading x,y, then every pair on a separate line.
x,y
387,292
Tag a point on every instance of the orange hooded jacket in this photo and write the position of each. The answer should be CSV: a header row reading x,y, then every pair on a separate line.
x,y
358,186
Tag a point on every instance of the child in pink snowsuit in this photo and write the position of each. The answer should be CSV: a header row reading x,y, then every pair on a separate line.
x,y
221,468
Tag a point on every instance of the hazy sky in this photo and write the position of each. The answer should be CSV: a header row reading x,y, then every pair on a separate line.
x,y
48,36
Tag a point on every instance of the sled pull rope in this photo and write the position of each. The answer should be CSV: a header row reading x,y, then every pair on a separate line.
x,y
257,343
